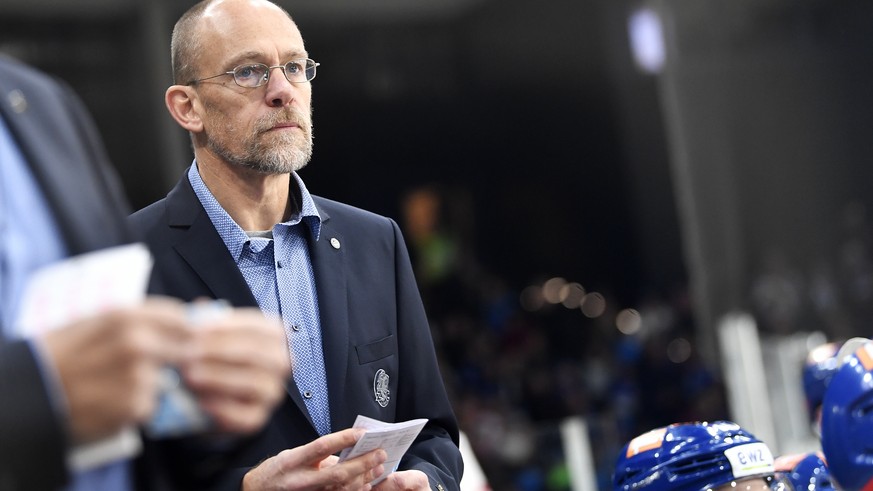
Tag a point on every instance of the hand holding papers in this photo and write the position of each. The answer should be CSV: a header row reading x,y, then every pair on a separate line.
x,y
79,287
122,359
394,438
178,412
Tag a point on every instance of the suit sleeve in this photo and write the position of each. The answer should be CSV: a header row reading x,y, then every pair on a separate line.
x,y
435,452
32,436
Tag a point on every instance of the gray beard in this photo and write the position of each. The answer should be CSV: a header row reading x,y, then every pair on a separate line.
x,y
283,158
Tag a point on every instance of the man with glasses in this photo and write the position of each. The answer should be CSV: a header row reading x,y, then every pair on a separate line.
x,y
242,226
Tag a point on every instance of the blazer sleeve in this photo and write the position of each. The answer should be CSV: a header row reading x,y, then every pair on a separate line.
x,y
435,452
33,438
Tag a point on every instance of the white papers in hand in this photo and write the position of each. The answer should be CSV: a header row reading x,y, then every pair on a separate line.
x,y
82,286
393,438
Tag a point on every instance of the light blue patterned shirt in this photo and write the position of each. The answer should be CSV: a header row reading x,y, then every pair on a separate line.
x,y
276,266
29,239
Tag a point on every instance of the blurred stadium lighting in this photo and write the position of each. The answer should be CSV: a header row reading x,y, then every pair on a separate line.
x,y
552,289
571,295
593,305
647,40
628,321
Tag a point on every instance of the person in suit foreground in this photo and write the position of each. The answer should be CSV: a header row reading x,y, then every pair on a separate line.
x,y
242,226
93,376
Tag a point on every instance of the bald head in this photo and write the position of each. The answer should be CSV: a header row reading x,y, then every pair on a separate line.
x,y
188,33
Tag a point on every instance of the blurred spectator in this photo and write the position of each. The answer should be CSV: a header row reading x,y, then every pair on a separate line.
x,y
513,372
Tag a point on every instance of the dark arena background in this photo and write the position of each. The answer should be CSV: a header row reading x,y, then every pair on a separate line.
x,y
605,200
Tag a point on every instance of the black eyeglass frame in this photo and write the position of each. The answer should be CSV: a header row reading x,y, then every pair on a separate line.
x,y
309,65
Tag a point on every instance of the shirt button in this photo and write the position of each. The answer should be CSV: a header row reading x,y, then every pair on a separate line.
x,y
307,394
295,327
280,264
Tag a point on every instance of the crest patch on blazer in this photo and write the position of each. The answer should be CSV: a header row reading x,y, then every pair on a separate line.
x,y
380,388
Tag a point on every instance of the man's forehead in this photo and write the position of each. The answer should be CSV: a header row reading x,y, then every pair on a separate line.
x,y
224,15
217,7
245,33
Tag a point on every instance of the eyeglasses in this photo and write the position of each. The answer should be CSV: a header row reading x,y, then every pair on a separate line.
x,y
258,74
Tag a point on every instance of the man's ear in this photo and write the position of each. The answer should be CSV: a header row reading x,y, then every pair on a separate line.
x,y
183,105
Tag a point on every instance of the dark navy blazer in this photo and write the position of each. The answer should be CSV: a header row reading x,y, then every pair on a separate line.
x,y
372,320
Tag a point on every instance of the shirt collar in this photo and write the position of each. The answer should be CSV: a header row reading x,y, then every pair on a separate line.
x,y
233,235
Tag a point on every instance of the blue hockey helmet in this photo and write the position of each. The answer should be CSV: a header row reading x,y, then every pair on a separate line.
x,y
806,472
691,457
847,420
820,366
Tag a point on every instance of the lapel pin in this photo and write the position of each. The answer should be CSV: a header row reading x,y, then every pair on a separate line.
x,y
334,242
17,101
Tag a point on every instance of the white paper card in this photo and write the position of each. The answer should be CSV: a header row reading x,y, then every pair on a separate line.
x,y
81,286
394,438
84,285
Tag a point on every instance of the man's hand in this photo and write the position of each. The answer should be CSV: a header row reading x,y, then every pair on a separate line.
x,y
108,365
404,481
237,368
314,467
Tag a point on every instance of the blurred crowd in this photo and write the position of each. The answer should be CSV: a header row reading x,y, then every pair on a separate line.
x,y
514,371
831,293
516,368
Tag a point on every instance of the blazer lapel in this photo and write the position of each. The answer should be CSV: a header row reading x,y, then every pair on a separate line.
x,y
202,248
328,259
49,143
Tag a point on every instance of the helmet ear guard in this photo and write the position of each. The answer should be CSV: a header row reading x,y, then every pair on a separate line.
x,y
807,472
847,418
691,457
819,368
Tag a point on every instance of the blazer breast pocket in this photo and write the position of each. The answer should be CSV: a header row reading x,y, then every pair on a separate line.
x,y
376,350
